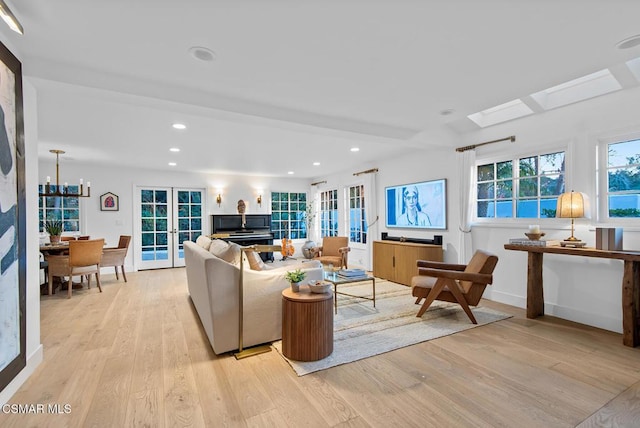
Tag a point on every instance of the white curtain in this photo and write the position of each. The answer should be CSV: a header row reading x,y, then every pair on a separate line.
x,y
371,213
466,167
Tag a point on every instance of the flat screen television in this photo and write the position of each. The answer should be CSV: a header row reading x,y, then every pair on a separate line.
x,y
420,205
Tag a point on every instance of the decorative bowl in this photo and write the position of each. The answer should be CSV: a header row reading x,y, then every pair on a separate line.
x,y
535,236
319,287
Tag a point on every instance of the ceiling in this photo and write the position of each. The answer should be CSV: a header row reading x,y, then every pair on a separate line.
x,y
295,82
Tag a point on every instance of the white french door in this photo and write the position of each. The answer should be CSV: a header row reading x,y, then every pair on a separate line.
x,y
167,217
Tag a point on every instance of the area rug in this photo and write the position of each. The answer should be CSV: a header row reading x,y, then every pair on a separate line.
x,y
362,331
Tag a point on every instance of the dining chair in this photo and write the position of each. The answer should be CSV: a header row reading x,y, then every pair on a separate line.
x,y
334,250
115,256
456,283
83,259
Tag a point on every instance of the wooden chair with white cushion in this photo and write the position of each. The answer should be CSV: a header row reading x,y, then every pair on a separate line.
x,y
115,256
334,251
83,259
462,284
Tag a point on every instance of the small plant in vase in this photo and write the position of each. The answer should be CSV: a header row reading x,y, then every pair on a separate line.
x,y
54,229
294,277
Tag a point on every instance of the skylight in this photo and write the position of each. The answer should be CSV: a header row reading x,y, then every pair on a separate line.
x,y
502,113
580,89
634,66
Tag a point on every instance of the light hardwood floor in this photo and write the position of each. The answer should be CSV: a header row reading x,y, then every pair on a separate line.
x,y
136,355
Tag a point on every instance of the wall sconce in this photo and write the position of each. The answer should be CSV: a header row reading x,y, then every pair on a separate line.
x,y
219,199
260,200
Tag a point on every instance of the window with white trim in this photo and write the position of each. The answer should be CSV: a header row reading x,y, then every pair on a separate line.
x,y
520,188
623,179
66,209
288,213
357,218
329,213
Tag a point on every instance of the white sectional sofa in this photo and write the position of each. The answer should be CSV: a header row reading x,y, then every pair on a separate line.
x,y
213,269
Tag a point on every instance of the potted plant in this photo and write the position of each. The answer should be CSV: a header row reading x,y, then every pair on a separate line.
x,y
54,229
294,277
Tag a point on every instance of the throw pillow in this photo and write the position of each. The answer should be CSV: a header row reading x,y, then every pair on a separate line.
x,y
255,261
204,241
232,254
217,247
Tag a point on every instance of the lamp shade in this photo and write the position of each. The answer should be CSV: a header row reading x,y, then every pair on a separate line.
x,y
573,205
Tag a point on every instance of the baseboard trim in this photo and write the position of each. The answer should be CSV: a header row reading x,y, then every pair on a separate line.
x,y
588,318
33,361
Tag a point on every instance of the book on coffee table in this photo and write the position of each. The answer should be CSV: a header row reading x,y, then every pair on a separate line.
x,y
351,273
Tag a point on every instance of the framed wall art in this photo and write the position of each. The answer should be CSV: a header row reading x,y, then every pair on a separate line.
x,y
420,205
109,202
13,325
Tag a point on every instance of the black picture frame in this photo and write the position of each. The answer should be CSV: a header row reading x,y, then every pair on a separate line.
x,y
109,202
13,269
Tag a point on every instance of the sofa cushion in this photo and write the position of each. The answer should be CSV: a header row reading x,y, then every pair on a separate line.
x,y
255,261
231,254
203,241
218,246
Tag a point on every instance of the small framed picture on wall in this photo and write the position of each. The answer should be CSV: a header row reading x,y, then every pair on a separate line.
x,y
109,202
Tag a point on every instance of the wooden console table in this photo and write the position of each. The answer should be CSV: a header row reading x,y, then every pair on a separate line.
x,y
630,283
396,261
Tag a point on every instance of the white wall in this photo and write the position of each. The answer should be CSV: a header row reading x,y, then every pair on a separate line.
x,y
585,290
124,181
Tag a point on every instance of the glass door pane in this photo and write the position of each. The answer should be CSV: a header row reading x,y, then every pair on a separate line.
x,y
187,214
168,217
155,227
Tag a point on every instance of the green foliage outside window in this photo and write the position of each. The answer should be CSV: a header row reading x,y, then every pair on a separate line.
x,y
525,187
288,215
623,177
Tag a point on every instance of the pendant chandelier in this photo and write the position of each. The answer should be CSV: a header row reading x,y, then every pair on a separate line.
x,y
63,191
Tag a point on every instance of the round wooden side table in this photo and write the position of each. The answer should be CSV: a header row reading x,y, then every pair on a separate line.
x,y
307,324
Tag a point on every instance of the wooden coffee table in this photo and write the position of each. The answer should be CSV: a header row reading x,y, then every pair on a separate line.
x,y
307,324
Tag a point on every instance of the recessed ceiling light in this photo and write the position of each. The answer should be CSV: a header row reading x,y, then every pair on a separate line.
x,y
179,126
629,42
174,149
447,112
290,172
355,149
172,164
316,163
202,54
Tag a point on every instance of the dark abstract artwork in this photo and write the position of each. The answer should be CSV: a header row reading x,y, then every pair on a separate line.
x,y
12,221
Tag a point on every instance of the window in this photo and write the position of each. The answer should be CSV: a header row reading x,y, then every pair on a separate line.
x,y
357,218
524,188
66,209
288,211
623,179
329,213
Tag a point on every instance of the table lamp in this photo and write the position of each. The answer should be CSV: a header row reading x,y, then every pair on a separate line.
x,y
572,205
260,349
